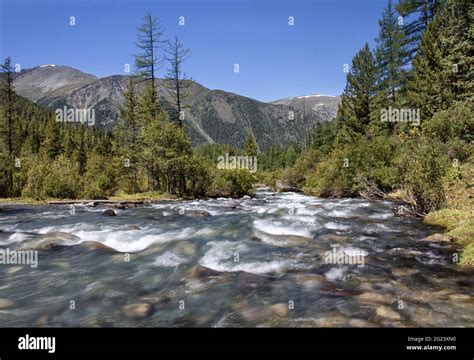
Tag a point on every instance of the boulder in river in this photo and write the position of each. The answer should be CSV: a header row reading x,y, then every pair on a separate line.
x,y
198,213
280,309
387,313
201,272
109,212
282,187
375,298
137,311
51,240
6,304
439,238
95,245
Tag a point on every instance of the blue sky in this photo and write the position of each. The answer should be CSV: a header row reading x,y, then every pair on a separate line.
x,y
276,60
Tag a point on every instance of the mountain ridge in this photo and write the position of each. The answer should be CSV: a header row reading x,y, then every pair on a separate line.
x,y
213,115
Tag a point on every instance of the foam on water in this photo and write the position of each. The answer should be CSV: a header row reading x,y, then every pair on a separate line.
x,y
335,226
280,228
221,256
336,273
169,259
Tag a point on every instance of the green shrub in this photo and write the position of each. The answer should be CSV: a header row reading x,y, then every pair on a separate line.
x,y
52,178
423,166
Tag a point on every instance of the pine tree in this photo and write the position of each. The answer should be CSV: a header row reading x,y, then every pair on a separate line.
x,y
176,55
126,136
457,39
422,12
392,55
52,144
150,126
149,41
250,146
429,89
356,103
8,127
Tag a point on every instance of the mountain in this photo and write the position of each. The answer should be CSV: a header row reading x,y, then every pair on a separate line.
x,y
316,107
213,116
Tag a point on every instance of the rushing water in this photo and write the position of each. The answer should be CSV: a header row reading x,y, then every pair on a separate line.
x,y
252,262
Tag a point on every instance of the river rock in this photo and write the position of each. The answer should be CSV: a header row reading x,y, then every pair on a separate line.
x,y
399,272
438,237
460,297
259,313
137,311
51,240
42,321
280,309
330,321
375,298
309,280
359,323
95,245
134,227
201,272
14,269
387,313
282,187
249,281
198,213
109,212
6,304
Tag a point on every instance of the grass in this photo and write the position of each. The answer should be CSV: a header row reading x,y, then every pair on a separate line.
x,y
458,217
149,195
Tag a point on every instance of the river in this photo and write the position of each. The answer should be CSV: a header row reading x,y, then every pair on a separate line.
x,y
260,262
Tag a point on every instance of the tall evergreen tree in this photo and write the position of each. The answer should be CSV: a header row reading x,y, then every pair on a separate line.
x,y
126,136
250,146
357,98
457,40
392,55
429,89
421,13
176,55
8,126
147,62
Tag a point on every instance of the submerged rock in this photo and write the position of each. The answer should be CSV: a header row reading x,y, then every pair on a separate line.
x,y
137,311
375,298
6,304
280,309
309,280
439,238
95,245
387,313
198,213
399,272
51,240
109,212
200,272
134,227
